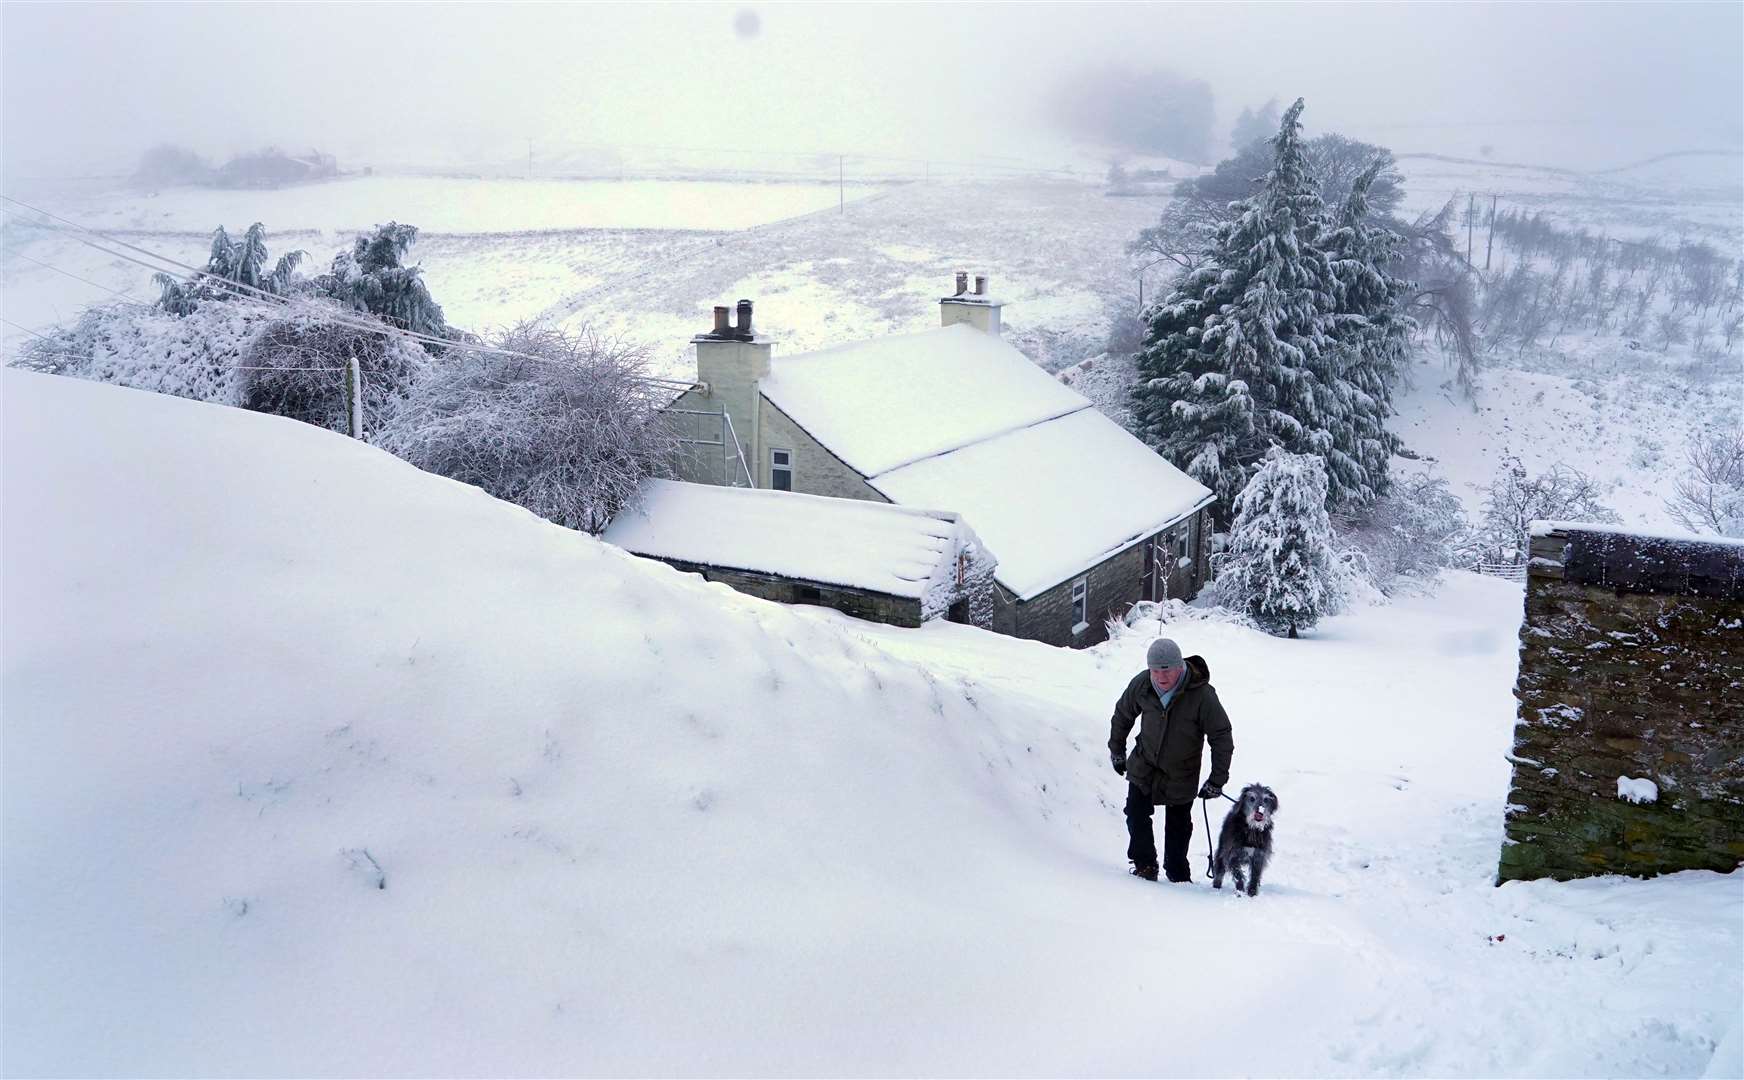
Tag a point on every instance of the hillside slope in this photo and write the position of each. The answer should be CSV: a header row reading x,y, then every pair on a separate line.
x,y
316,764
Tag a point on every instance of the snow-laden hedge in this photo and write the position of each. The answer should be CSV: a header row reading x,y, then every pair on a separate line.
x,y
570,436
142,346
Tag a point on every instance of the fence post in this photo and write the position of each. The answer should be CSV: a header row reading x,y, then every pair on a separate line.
x,y
353,397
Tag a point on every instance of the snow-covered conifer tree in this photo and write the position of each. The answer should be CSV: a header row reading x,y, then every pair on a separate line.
x,y
1372,333
1281,567
239,261
372,277
1232,357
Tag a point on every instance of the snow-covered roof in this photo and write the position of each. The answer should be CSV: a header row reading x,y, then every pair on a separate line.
x,y
894,550
1052,499
881,404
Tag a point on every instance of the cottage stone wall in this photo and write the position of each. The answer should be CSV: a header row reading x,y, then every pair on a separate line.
x,y
816,471
1184,582
1631,665
1113,586
860,603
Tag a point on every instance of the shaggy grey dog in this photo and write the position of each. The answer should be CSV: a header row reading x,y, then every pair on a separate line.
x,y
1245,844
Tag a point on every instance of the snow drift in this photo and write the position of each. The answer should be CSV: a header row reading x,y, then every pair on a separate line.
x,y
316,764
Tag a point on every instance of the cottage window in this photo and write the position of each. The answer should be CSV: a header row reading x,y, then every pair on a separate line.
x,y
962,568
1080,605
781,470
1181,542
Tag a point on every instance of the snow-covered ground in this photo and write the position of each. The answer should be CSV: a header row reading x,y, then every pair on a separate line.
x,y
458,206
1690,196
1054,249
1627,428
275,804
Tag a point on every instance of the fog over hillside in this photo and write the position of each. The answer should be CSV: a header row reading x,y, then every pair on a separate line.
x,y
1585,85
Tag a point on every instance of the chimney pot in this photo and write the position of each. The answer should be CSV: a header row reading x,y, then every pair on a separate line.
x,y
962,283
723,321
744,326
980,284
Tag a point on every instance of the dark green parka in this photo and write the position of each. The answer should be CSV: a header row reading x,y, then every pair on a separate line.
x,y
1164,761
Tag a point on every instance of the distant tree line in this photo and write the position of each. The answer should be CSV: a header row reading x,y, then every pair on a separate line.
x,y
166,165
1550,280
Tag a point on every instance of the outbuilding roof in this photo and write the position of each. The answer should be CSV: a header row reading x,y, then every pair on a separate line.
x,y
894,550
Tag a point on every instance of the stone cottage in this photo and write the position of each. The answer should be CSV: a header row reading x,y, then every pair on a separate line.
x,y
1629,748
1083,519
876,561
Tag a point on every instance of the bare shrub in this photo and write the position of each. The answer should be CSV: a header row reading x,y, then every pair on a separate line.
x,y
1709,496
569,436
1414,531
1669,328
1516,499
296,367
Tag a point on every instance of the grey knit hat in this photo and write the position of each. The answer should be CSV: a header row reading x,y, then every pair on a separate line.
x,y
1163,653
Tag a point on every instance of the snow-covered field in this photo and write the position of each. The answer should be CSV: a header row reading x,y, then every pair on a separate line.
x,y
459,206
1054,249
1690,196
1626,429
273,804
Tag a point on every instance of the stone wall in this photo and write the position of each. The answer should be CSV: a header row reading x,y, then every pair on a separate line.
x,y
816,471
1631,666
1112,586
860,603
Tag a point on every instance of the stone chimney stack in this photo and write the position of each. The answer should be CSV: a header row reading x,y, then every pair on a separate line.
x,y
979,309
732,363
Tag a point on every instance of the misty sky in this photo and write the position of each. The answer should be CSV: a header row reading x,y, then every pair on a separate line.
x,y
87,86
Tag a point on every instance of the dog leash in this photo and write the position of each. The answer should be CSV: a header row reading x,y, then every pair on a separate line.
x,y
1210,857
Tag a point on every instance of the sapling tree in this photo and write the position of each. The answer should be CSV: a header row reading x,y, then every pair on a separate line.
x,y
1709,496
1281,567
1517,498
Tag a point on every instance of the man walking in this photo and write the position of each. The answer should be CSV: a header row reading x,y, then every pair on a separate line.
x,y
1180,714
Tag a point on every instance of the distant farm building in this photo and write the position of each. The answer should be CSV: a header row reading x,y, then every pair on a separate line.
x,y
1083,519
1629,748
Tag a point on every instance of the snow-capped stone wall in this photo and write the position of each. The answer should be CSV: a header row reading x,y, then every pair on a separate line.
x,y
1631,666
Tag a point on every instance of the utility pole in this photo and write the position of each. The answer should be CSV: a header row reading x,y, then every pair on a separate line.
x,y
353,398
1490,240
1471,213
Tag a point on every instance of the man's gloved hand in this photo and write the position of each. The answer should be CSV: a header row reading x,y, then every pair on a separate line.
x,y
1210,791
1119,760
